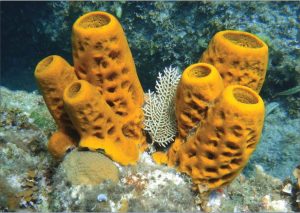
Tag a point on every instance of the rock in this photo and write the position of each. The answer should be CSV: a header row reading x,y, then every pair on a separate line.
x,y
102,198
274,205
89,168
287,189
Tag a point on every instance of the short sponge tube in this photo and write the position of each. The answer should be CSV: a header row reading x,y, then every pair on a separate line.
x,y
199,86
98,126
79,99
78,92
245,99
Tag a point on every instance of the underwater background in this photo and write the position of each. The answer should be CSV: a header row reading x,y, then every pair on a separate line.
x,y
159,34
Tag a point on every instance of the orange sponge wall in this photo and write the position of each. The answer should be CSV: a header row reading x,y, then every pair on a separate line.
x,y
102,57
222,145
240,57
97,124
199,86
53,74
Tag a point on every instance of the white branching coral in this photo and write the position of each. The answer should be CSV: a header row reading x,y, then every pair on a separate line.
x,y
159,108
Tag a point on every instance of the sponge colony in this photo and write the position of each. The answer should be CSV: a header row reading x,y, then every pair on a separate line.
x,y
222,145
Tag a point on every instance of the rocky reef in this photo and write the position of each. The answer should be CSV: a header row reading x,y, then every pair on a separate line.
x,y
97,106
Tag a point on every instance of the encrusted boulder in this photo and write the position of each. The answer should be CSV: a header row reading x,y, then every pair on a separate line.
x,y
89,168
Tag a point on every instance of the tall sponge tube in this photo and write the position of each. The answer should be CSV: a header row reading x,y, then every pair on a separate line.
x,y
102,57
199,86
222,146
98,126
240,57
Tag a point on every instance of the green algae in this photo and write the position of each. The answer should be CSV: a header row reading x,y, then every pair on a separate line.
x,y
42,121
290,91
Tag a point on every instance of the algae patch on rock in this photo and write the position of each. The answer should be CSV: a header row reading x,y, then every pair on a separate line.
x,y
89,168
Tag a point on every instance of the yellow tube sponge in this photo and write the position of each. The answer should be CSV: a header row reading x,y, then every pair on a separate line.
x,y
240,57
102,57
222,145
199,86
53,74
97,124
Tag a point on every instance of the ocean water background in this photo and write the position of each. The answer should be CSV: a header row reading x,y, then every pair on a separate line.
x,y
161,34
